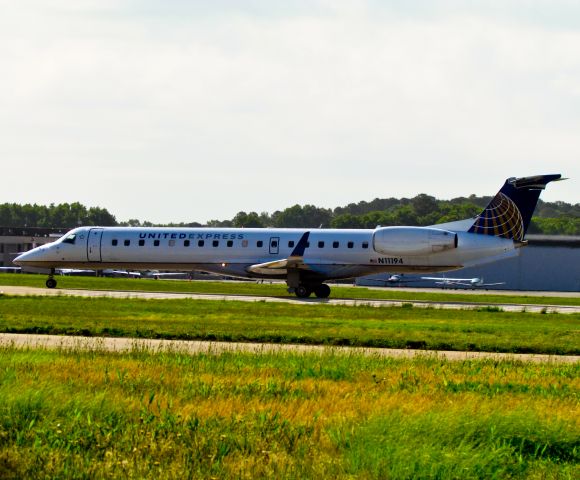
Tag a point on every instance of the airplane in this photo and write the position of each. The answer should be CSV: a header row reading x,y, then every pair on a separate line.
x,y
476,282
108,272
305,258
394,279
104,272
156,275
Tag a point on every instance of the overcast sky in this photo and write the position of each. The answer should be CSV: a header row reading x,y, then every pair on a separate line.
x,y
184,110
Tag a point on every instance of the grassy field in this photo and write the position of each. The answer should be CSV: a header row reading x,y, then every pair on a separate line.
x,y
486,329
78,414
266,289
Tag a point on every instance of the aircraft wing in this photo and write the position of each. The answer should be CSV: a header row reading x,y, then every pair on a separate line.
x,y
445,280
280,267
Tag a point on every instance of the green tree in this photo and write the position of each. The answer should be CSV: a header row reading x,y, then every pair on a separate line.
x,y
346,220
307,216
248,220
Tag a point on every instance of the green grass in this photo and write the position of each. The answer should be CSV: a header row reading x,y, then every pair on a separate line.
x,y
390,327
266,289
79,414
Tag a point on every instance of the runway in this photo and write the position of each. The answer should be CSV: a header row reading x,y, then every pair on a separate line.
x,y
108,344
508,307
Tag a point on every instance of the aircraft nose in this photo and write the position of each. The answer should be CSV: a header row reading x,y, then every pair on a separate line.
x,y
20,259
30,257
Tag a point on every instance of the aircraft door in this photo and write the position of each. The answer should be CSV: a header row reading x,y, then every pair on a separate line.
x,y
274,245
94,245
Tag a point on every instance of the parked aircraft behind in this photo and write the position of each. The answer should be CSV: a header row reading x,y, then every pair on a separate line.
x,y
394,280
473,283
304,258
10,269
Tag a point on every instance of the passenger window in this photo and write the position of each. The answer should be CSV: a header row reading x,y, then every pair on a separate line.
x,y
127,243
114,242
141,243
365,245
350,244
216,243
335,244
260,244
230,243
172,243
156,243
186,243
291,243
200,243
321,244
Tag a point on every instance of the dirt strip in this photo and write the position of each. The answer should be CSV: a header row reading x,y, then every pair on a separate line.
x,y
195,347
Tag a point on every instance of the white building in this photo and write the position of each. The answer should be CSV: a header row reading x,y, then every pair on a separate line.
x,y
20,239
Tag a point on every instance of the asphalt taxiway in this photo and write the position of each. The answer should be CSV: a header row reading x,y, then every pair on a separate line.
x,y
455,305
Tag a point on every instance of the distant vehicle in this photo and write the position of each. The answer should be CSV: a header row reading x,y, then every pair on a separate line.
x,y
305,258
108,272
74,272
10,269
472,283
156,274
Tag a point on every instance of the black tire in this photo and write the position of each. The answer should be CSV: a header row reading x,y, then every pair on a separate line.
x,y
302,291
322,291
51,283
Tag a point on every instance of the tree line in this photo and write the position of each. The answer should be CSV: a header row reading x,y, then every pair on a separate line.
x,y
64,215
551,218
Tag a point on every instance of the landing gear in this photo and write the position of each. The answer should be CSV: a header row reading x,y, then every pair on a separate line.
x,y
304,291
322,291
51,282
303,288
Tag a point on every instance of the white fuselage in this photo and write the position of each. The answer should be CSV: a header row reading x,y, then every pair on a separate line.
x,y
330,253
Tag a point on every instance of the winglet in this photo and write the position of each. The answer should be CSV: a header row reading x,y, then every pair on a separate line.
x,y
300,246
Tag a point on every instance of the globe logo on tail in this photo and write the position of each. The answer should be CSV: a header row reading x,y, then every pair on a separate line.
x,y
501,218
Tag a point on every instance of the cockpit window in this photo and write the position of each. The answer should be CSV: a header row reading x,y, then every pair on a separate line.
x,y
70,238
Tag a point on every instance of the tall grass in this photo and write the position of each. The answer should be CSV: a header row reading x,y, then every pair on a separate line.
x,y
79,414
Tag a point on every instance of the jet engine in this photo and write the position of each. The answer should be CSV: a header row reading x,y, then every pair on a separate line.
x,y
412,240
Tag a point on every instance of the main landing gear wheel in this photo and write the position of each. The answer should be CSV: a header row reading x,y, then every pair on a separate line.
x,y
302,291
322,291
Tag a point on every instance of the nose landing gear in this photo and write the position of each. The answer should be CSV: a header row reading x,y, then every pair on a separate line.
x,y
51,282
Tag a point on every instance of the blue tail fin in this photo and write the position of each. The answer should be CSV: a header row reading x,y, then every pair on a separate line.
x,y
509,213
